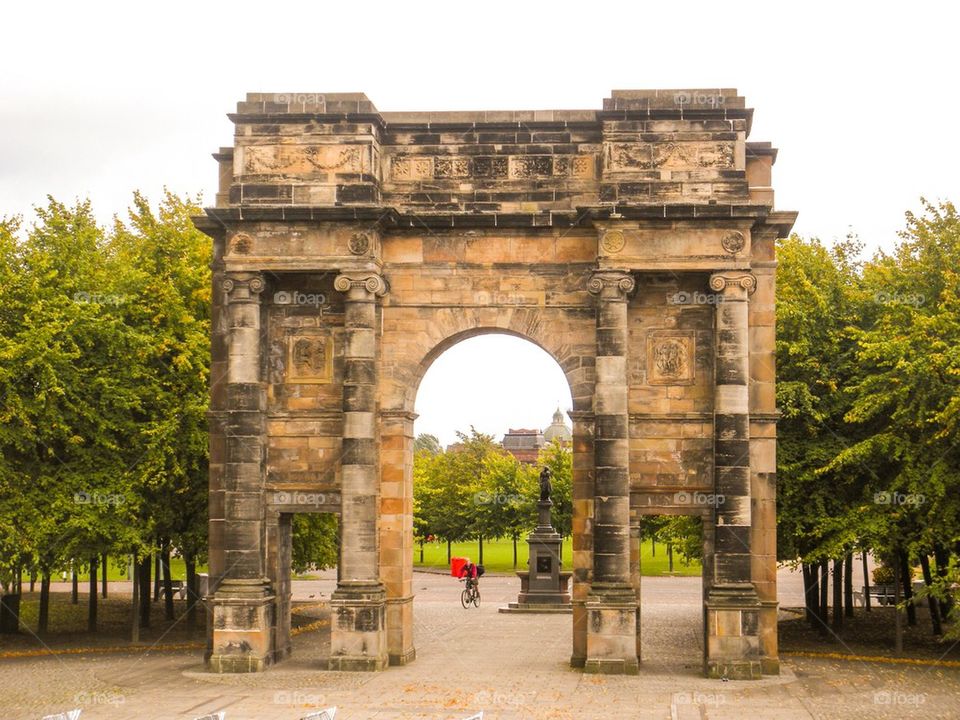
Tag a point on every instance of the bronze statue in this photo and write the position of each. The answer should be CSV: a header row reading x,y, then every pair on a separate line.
x,y
545,487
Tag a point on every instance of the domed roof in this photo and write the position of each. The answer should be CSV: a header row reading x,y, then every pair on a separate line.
x,y
558,429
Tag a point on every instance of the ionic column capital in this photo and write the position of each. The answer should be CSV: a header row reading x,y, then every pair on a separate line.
x,y
611,284
733,285
243,287
358,285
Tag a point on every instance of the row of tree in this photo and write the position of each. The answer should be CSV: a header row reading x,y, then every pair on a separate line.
x,y
479,491
868,364
104,366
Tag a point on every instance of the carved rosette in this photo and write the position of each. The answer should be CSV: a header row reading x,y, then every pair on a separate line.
x,y
611,284
733,242
612,241
369,283
359,244
733,285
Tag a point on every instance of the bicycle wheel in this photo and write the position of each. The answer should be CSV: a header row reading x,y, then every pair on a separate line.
x,y
465,598
476,597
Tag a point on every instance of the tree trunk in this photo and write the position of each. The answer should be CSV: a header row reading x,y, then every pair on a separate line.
x,y
810,593
848,585
824,605
942,557
75,583
167,581
837,596
653,546
480,561
898,615
421,552
448,552
19,579
144,575
156,574
33,579
44,615
92,601
931,600
193,599
866,583
135,582
670,557
514,551
907,588
104,564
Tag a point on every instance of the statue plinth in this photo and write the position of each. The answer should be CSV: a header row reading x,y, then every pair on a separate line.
x,y
543,587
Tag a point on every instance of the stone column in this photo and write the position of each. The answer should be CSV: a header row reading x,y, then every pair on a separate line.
x,y
612,603
242,604
732,602
396,530
583,488
358,636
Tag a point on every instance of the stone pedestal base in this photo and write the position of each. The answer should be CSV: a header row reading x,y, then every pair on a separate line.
x,y
400,650
243,625
733,633
612,630
358,638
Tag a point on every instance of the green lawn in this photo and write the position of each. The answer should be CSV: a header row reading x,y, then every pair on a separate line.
x,y
498,556
117,570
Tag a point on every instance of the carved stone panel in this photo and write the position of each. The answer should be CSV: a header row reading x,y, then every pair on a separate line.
x,y
302,159
671,357
310,358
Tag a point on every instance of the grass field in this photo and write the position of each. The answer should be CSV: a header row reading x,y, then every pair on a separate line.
x,y
498,556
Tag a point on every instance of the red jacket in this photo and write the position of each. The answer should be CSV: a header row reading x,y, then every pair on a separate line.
x,y
469,570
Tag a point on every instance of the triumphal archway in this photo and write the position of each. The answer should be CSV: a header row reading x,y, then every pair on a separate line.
x,y
634,243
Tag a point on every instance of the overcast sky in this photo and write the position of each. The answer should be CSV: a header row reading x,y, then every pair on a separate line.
x,y
100,98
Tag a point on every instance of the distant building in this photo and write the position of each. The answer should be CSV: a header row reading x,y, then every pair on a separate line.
x,y
558,430
525,445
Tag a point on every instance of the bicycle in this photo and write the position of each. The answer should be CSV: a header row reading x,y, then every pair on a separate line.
x,y
470,594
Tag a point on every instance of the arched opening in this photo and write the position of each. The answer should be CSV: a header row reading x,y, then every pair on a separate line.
x,y
486,403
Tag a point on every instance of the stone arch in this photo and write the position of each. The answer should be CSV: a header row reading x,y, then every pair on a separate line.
x,y
445,327
442,330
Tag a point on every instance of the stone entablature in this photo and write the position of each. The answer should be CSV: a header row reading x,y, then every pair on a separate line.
x,y
659,147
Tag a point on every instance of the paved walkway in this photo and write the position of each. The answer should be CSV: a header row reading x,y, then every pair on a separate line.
x,y
509,666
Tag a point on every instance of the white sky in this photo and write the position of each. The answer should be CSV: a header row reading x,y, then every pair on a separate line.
x,y
100,98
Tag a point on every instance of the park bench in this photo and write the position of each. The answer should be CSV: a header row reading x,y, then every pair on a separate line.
x,y
177,587
884,594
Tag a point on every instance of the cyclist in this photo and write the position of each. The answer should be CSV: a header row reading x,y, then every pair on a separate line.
x,y
469,571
